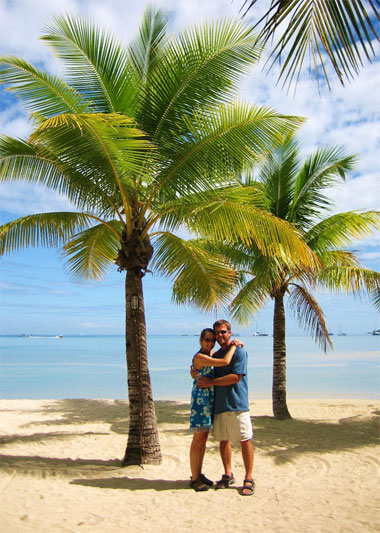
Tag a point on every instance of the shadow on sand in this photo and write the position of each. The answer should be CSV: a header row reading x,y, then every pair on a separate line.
x,y
281,440
284,440
113,412
126,483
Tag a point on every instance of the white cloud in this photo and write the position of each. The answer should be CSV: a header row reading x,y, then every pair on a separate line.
x,y
357,193
14,121
23,199
371,255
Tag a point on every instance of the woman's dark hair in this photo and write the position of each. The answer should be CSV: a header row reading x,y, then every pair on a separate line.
x,y
207,330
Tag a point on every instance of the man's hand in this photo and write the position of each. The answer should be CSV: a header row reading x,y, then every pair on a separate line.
x,y
203,383
193,372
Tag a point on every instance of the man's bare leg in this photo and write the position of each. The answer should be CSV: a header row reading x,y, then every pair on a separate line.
x,y
248,454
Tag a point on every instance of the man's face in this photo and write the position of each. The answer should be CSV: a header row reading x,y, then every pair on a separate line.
x,y
222,335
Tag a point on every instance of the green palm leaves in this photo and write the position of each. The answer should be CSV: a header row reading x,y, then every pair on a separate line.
x,y
38,91
47,229
96,63
339,33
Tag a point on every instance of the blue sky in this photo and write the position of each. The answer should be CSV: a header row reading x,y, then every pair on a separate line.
x,y
38,296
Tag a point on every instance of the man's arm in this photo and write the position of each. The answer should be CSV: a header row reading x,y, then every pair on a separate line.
x,y
224,381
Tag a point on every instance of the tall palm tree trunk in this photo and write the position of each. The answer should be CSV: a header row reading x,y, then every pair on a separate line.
x,y
280,409
143,444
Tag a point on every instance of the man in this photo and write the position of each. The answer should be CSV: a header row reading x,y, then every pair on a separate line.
x,y
231,421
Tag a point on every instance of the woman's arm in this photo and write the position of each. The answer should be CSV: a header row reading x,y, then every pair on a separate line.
x,y
201,360
224,381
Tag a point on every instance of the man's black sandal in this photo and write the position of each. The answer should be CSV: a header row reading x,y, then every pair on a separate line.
x,y
205,480
198,485
248,485
225,482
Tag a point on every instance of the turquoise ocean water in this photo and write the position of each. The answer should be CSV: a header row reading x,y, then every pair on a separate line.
x,y
94,367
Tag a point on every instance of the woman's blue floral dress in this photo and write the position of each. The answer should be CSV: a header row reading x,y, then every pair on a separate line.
x,y
202,402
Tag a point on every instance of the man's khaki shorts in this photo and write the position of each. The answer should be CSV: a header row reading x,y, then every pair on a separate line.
x,y
232,425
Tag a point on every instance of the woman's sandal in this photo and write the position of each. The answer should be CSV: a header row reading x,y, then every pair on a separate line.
x,y
198,485
248,485
225,482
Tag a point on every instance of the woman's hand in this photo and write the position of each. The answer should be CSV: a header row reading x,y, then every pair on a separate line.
x,y
204,382
237,342
193,372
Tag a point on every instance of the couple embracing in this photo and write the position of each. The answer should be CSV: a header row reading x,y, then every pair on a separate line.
x,y
220,400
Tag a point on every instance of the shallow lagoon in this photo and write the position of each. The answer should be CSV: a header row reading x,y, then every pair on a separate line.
x,y
94,367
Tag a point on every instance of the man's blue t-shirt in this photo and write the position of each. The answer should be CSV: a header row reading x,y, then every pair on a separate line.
x,y
232,397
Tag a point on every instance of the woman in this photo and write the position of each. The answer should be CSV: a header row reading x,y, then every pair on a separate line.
x,y
202,405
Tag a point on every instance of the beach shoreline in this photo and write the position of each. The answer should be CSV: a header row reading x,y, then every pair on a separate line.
x,y
61,470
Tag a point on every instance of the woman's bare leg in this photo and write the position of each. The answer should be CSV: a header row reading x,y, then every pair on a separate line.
x,y
226,455
197,452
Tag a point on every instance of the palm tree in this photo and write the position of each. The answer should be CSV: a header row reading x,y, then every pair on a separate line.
x,y
145,141
337,33
298,193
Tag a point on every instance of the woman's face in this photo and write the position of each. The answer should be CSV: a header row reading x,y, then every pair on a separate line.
x,y
208,343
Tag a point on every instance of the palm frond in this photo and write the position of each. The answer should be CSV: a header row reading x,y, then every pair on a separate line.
x,y
45,229
200,279
278,174
200,67
106,146
222,217
354,279
145,49
321,170
341,31
251,297
115,136
310,316
375,297
341,229
90,253
34,163
96,63
40,92
338,258
238,255
20,160
215,145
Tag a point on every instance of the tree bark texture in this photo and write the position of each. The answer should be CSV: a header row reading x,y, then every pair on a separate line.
x,y
280,409
143,445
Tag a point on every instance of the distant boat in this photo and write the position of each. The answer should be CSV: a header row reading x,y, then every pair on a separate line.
x,y
259,333
376,332
340,333
331,333
45,336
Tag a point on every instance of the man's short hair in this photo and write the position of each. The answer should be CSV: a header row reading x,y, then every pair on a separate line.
x,y
222,322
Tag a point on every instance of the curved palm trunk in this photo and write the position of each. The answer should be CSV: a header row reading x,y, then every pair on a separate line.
x,y
280,409
143,445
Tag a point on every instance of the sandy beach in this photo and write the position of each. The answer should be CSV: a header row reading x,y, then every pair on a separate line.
x,y
60,470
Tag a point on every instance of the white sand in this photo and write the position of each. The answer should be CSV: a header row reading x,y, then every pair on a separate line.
x,y
60,471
